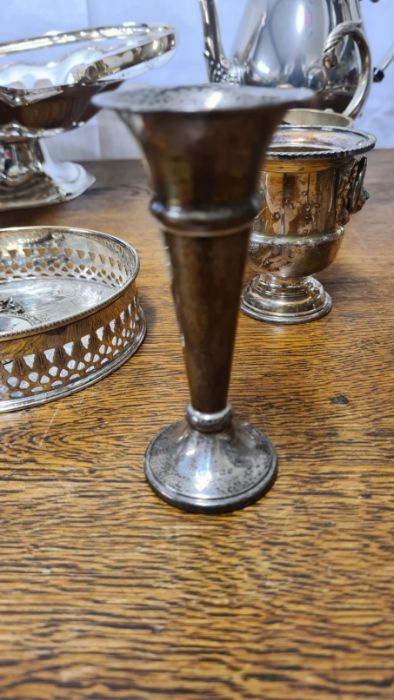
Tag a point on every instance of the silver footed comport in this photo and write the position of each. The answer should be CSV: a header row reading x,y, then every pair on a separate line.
x,y
46,85
205,196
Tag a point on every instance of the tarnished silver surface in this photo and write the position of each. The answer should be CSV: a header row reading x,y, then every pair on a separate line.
x,y
211,472
319,44
204,146
311,183
46,84
69,311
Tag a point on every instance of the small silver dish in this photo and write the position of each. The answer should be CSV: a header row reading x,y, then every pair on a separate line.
x,y
69,311
46,84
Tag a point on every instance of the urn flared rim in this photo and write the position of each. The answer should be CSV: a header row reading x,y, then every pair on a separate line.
x,y
318,142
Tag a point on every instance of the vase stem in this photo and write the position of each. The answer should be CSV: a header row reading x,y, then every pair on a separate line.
x,y
206,284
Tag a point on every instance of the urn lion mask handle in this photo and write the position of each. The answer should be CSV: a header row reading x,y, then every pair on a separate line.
x,y
204,146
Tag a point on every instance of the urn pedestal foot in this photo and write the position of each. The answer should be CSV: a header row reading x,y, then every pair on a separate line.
x,y
285,301
205,197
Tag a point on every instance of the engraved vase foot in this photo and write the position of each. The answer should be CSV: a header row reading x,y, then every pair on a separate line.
x,y
217,469
277,300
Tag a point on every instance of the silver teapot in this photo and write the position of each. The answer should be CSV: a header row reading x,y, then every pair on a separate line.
x,y
318,44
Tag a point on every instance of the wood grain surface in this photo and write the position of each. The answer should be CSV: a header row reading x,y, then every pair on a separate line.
x,y
108,593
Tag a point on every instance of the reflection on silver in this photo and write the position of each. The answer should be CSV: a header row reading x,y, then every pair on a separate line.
x,y
318,44
311,183
69,311
46,84
14,315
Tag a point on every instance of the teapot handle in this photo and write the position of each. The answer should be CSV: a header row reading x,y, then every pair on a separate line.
x,y
354,31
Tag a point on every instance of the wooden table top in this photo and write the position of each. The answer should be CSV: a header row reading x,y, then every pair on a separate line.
x,y
106,592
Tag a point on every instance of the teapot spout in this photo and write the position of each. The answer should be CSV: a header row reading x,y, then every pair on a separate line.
x,y
379,72
218,67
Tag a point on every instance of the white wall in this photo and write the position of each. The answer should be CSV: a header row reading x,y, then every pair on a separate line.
x,y
102,137
378,112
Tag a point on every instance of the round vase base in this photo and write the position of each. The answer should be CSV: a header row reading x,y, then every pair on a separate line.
x,y
210,472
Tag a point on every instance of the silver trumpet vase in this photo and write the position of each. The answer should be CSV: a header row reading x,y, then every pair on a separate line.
x,y
204,146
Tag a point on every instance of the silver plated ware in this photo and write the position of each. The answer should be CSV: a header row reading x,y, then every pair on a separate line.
x,y
312,181
46,84
204,146
319,44
69,311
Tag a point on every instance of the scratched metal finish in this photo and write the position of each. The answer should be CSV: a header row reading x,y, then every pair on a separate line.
x,y
107,593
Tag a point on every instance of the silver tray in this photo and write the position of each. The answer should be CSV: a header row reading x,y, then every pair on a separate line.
x,y
46,84
69,311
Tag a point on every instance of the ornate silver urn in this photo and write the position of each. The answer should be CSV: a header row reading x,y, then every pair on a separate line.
x,y
318,44
311,184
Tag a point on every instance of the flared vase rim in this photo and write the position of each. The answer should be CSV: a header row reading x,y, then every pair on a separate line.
x,y
205,98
